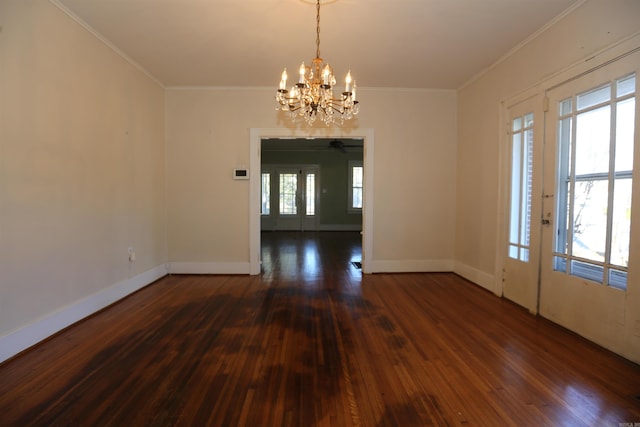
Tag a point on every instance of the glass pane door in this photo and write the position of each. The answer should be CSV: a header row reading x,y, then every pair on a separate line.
x,y
290,197
522,205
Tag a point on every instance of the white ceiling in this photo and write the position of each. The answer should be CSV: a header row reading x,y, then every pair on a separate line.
x,y
436,44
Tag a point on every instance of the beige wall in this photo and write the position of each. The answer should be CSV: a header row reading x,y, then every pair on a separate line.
x,y
414,173
81,170
561,48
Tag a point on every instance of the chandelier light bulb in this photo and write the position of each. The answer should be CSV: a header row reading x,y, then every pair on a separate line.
x,y
326,73
347,86
302,70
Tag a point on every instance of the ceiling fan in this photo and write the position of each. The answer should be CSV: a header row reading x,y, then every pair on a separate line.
x,y
336,144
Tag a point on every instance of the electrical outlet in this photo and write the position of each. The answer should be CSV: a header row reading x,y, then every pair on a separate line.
x,y
132,254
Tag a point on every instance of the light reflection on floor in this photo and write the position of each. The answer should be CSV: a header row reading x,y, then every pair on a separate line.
x,y
580,398
588,402
308,257
311,265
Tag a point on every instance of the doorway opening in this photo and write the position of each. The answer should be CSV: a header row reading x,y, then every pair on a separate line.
x,y
298,194
310,187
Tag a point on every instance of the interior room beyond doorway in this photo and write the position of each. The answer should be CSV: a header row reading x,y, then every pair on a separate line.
x,y
311,184
311,198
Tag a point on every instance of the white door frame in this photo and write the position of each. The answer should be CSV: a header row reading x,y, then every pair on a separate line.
x,y
255,146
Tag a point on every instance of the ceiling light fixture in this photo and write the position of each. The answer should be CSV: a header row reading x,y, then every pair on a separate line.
x,y
312,96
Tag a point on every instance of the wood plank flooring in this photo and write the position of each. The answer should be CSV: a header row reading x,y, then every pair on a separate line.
x,y
312,342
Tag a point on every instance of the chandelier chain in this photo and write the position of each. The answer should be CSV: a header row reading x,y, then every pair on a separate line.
x,y
318,29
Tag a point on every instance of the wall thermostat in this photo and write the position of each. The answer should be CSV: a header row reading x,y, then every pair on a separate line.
x,y
240,174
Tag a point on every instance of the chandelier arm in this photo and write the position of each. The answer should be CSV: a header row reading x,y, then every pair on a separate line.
x,y
287,102
337,100
337,110
339,103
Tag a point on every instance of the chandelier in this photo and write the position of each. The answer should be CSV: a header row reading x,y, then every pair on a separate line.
x,y
312,96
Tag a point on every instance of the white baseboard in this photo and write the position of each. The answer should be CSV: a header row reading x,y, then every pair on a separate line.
x,y
485,280
27,336
209,268
411,266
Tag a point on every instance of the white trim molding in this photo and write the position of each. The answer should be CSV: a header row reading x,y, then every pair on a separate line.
x,y
412,266
27,336
95,33
209,268
476,276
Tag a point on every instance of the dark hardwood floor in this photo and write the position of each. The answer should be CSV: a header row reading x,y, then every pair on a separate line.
x,y
312,342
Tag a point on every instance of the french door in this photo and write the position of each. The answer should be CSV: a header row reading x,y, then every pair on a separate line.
x,y
568,196
290,197
591,132
521,252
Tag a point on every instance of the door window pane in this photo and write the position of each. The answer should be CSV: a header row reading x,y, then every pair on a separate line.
x,y
625,117
565,107
590,219
513,251
618,279
357,187
516,124
593,97
266,194
587,270
592,141
310,194
521,187
356,180
626,85
288,188
621,226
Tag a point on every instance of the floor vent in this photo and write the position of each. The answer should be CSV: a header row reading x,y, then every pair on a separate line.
x,y
357,264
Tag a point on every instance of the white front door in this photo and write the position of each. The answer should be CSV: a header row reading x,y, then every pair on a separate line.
x,y
591,131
